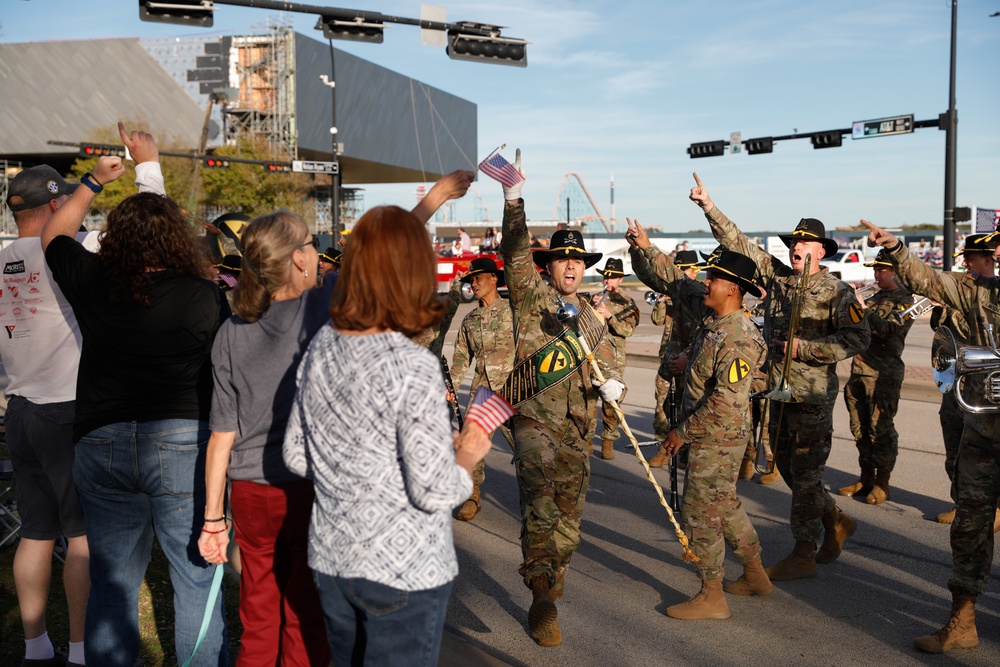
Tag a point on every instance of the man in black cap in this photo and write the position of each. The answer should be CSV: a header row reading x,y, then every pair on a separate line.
x,y
486,335
552,389
872,392
715,422
329,263
41,355
832,327
622,317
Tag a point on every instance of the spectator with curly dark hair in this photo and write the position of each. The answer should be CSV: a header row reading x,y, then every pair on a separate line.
x,y
148,317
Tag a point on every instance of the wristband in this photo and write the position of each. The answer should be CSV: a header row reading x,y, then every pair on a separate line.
x,y
88,180
899,244
213,532
221,518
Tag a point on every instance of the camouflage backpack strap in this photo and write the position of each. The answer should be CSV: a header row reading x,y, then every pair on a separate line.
x,y
555,361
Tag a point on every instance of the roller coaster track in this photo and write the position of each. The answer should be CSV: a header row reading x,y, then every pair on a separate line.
x,y
582,206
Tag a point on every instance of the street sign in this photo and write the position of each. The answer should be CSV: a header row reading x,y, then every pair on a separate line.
x,y
881,127
735,141
314,167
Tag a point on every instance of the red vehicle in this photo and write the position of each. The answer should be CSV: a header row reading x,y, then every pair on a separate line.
x,y
449,267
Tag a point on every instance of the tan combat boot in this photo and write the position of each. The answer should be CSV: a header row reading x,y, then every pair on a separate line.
x,y
770,477
753,581
880,492
470,508
709,603
608,450
542,614
660,458
801,563
862,487
996,521
960,631
746,469
837,527
949,517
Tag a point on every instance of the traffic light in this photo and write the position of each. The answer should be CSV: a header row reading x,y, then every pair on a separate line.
x,y
759,145
216,163
356,30
97,150
830,139
707,149
490,49
180,12
277,167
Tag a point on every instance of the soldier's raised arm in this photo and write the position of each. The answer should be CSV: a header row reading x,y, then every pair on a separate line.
x,y
519,269
651,265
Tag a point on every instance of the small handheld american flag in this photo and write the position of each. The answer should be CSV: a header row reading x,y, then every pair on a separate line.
x,y
488,410
497,168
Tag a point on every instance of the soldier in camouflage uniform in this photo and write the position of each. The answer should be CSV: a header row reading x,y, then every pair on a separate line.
x,y
832,327
486,335
622,317
676,279
662,316
976,487
872,392
555,424
433,337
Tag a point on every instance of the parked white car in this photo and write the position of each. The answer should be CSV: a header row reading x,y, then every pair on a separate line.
x,y
849,266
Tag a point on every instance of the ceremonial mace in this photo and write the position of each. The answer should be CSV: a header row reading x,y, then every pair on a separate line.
x,y
568,315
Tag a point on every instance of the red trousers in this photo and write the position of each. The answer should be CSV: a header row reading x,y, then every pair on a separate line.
x,y
279,607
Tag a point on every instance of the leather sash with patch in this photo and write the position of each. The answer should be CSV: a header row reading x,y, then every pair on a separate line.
x,y
553,362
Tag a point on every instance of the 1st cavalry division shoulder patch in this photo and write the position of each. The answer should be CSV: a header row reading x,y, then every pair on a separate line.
x,y
857,313
738,370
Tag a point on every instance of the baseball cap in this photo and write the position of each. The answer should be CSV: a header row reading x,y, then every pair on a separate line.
x,y
37,186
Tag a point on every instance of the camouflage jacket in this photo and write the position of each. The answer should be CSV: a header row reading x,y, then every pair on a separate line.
x,y
725,356
977,300
657,271
433,337
534,303
943,316
624,319
832,324
884,355
486,334
663,315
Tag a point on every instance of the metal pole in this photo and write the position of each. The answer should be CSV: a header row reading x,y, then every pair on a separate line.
x,y
950,140
567,212
335,227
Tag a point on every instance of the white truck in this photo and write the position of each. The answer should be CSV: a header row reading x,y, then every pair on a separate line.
x,y
849,265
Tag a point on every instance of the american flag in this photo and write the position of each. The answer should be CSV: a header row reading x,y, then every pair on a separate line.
x,y
229,280
987,219
489,410
499,169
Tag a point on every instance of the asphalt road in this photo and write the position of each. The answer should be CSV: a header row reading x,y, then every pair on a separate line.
x,y
888,586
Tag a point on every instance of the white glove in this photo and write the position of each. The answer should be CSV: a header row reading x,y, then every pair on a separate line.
x,y
610,391
514,193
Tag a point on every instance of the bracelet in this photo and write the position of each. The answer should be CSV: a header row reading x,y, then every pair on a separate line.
x,y
89,180
221,518
213,532
899,244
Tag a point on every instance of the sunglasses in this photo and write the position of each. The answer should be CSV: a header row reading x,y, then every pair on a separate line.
x,y
314,242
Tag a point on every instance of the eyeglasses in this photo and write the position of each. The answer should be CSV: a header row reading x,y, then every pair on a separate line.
x,y
314,242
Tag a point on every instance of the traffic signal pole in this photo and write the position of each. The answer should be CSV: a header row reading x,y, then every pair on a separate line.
x,y
950,137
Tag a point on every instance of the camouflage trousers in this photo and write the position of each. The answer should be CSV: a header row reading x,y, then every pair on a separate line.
x,y
661,420
479,470
610,431
976,490
872,402
713,512
952,423
801,444
553,474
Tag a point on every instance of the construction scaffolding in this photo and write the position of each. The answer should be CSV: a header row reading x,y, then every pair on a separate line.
x,y
262,70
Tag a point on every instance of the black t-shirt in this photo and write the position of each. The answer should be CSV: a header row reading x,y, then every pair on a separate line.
x,y
138,363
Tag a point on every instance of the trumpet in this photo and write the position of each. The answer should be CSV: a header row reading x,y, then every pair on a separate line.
x,y
922,306
652,298
867,292
972,372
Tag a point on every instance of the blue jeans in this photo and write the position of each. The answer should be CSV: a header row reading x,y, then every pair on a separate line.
x,y
135,478
374,625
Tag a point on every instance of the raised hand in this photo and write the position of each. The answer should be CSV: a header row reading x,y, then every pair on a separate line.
x,y
636,235
140,145
109,167
513,193
878,236
699,195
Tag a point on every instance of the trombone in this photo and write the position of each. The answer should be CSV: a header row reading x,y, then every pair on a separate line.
x,y
652,298
781,391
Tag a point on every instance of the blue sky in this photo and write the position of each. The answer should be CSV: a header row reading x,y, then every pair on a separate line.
x,y
624,87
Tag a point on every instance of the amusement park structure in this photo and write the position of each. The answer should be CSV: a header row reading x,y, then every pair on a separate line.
x,y
574,203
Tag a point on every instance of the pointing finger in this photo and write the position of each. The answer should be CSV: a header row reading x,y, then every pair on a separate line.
x,y
123,133
696,179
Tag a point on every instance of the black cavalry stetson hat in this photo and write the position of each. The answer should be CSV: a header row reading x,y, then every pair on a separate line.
x,y
330,255
484,265
883,258
980,243
685,258
736,268
811,229
615,268
566,243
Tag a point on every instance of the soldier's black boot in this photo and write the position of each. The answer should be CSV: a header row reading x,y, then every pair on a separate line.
x,y
959,632
542,614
